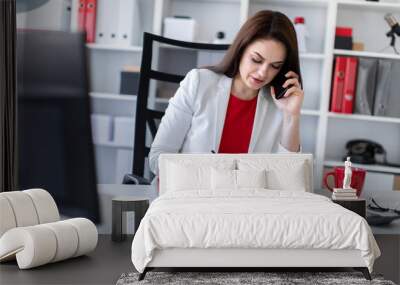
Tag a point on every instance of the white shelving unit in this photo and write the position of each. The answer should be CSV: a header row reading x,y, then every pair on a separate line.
x,y
367,20
323,133
107,60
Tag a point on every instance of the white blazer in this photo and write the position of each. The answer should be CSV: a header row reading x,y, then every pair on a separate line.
x,y
194,119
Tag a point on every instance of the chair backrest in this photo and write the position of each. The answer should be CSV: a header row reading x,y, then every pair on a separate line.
x,y
284,171
26,208
146,117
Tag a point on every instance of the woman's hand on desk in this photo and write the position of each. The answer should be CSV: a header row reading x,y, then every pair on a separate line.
x,y
291,102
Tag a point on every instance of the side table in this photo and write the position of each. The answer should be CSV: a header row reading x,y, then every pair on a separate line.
x,y
357,206
121,204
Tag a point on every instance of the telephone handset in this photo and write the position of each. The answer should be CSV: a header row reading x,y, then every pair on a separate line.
x,y
365,152
278,81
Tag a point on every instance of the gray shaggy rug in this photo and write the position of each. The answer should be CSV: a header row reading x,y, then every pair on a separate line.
x,y
269,278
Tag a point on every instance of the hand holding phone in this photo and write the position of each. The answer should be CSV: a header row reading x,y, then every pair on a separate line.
x,y
293,93
278,82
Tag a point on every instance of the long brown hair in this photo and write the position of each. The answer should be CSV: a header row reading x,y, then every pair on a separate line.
x,y
263,25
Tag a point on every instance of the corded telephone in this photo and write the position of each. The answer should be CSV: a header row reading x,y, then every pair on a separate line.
x,y
367,152
363,151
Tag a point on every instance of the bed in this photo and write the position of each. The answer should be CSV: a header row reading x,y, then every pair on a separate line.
x,y
246,211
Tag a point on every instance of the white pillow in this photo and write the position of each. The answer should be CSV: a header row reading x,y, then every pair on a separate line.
x,y
183,178
223,179
236,179
175,170
191,174
251,178
284,179
282,174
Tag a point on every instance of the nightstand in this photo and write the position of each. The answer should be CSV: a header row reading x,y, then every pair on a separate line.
x,y
123,204
357,206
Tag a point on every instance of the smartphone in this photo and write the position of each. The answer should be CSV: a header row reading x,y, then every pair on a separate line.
x,y
278,82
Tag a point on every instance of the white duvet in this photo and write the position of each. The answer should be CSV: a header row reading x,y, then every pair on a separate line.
x,y
252,218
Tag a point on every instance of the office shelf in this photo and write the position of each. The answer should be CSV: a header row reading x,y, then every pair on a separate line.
x,y
113,145
312,55
112,96
114,48
368,5
366,54
364,118
295,3
310,112
368,167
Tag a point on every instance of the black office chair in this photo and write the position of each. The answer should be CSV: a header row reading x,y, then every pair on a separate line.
x,y
146,117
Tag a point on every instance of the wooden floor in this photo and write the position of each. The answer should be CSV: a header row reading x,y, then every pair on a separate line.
x,y
102,266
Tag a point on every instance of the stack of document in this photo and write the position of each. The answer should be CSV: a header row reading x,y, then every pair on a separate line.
x,y
344,194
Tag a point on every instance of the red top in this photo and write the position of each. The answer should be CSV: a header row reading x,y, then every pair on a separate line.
x,y
238,125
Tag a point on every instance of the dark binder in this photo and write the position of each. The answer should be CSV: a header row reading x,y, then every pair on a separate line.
x,y
393,102
366,82
382,94
130,76
393,109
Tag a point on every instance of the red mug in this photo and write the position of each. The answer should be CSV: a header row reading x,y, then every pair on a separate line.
x,y
357,178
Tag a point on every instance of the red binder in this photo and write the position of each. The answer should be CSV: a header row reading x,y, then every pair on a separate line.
x,y
90,20
349,85
81,15
338,84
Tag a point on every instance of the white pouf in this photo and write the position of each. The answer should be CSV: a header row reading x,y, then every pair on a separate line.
x,y
31,233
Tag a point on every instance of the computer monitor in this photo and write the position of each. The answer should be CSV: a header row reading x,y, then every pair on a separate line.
x,y
54,132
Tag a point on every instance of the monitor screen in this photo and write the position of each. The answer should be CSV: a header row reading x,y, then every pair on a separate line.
x,y
54,132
